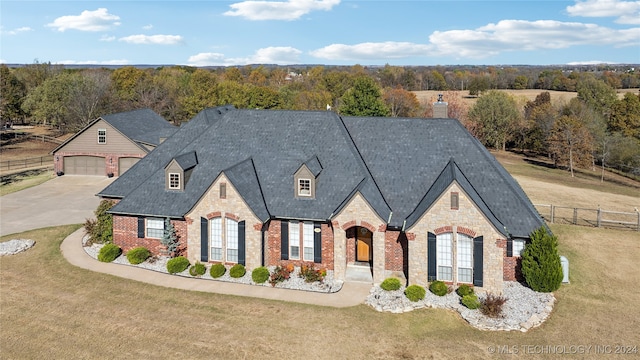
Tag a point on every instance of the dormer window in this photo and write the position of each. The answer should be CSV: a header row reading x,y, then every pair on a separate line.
x,y
174,181
102,136
304,187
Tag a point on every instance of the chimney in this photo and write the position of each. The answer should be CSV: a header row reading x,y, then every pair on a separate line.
x,y
440,109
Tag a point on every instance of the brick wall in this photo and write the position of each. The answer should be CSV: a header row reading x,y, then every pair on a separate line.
x,y
511,266
396,251
273,251
125,235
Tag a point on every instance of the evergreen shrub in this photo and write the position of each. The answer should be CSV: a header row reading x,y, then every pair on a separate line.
x,y
217,270
415,292
390,284
198,269
260,275
237,271
439,288
177,265
109,252
541,265
471,301
464,289
138,255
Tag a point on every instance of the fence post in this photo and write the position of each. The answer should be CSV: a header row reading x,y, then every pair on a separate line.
x,y
553,212
575,216
599,217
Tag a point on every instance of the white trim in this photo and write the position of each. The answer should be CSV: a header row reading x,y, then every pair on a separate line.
x,y
148,226
518,249
307,241
172,183
294,240
102,136
304,187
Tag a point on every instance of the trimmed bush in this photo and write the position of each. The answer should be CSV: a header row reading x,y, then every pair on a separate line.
x,y
109,252
439,288
390,284
198,269
177,265
415,292
541,265
492,305
217,270
464,289
138,255
237,271
260,274
280,274
471,301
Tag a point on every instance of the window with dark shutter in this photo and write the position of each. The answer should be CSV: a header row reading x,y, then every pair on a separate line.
x,y
284,240
141,230
241,243
204,239
431,256
477,261
509,247
317,243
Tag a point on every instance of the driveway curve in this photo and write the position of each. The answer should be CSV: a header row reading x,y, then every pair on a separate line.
x,y
68,199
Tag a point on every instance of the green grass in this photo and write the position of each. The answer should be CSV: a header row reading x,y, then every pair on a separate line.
x,y
51,307
24,180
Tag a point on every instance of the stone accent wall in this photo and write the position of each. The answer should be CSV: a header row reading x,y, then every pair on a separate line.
x,y
468,220
232,206
273,251
125,235
359,213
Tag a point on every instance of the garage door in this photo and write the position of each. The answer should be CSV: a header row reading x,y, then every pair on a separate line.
x,y
84,165
125,163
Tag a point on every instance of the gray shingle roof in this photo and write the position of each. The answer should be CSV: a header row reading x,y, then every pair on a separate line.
x,y
142,125
399,165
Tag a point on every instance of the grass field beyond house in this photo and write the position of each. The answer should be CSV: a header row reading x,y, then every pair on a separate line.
x,y
51,307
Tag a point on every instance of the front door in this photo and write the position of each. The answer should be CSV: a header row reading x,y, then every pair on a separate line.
x,y
363,245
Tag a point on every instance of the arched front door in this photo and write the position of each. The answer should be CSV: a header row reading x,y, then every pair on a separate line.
x,y
364,248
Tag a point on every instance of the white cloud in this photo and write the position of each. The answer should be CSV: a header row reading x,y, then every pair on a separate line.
x,y
107,38
627,12
278,10
16,31
153,39
98,20
93,62
487,41
590,62
269,55
148,27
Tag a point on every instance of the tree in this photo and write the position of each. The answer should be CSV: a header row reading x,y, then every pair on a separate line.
x,y
495,115
12,93
125,81
625,116
596,94
202,93
170,239
363,99
100,229
48,103
262,97
571,143
478,85
402,103
541,265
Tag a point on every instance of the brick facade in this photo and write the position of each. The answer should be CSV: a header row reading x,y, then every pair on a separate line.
x,y
274,246
125,235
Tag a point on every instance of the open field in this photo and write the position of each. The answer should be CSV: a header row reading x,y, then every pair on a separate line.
x,y
55,310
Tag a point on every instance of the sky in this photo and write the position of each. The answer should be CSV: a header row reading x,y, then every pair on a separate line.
x,y
321,32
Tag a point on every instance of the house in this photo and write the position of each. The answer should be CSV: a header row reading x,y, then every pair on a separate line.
x,y
112,144
420,199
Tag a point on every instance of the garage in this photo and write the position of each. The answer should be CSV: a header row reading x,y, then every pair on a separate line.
x,y
125,163
84,165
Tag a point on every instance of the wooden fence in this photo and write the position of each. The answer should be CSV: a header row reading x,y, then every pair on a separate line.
x,y
590,217
26,163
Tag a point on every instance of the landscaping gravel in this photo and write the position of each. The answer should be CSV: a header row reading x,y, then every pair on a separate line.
x,y
15,246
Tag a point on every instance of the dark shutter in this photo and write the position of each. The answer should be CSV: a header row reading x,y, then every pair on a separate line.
x,y
204,239
317,243
431,257
284,240
477,261
241,243
509,247
141,227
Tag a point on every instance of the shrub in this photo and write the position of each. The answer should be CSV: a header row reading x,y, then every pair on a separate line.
x,y
170,238
177,265
541,265
280,274
260,274
100,230
237,271
439,288
198,269
217,270
138,255
464,289
470,301
310,274
492,305
109,252
415,292
390,284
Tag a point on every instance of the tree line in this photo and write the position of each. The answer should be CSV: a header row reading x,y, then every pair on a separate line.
x,y
596,128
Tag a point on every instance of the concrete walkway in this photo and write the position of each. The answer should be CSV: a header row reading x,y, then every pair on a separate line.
x,y
351,294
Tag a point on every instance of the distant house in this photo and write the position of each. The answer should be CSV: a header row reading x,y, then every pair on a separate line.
x,y
112,144
420,199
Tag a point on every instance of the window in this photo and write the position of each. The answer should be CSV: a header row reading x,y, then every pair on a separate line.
x,y
445,257
155,228
174,181
294,240
223,191
102,136
465,258
455,201
232,240
518,247
215,225
304,187
307,240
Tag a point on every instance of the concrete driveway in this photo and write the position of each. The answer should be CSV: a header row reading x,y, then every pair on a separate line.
x,y
68,199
